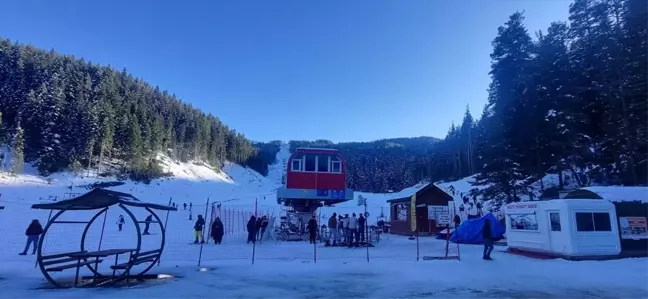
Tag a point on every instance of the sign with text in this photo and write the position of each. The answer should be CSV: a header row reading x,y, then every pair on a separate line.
x,y
521,208
634,228
443,220
435,211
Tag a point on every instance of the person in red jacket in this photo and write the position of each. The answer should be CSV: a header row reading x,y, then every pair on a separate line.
x,y
33,235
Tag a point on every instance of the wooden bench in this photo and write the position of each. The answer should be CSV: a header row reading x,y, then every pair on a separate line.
x,y
138,258
63,258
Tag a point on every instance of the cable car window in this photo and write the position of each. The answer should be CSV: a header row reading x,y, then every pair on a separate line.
x,y
310,163
336,165
322,163
296,165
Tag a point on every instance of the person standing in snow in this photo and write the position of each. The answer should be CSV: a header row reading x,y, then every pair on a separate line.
x,y
341,232
217,231
251,228
198,228
362,222
487,234
147,223
33,233
333,228
353,230
312,229
120,222
190,206
264,226
258,228
185,206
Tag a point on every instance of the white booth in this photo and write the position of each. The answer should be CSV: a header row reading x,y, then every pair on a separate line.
x,y
571,228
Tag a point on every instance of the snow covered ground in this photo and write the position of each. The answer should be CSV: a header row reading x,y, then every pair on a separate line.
x,y
392,272
281,269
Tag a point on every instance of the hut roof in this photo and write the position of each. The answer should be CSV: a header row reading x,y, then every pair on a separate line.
x,y
405,194
99,199
611,193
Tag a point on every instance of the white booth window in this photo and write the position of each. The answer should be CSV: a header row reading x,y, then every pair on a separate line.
x,y
523,221
593,222
554,218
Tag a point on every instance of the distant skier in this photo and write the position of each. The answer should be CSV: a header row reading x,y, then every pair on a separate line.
x,y
120,222
312,229
198,228
217,230
33,233
147,223
487,235
185,206
251,229
190,206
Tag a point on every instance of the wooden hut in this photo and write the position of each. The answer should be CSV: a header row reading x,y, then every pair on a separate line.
x,y
417,209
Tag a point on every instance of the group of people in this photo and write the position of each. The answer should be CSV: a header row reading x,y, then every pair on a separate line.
x,y
349,230
256,228
217,230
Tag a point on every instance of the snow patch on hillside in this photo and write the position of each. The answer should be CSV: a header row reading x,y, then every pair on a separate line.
x,y
190,182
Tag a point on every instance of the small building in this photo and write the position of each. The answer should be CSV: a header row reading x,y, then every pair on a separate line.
x,y
419,209
631,205
569,228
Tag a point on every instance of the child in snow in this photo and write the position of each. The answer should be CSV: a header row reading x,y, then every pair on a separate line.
x,y
217,231
120,222
198,227
33,233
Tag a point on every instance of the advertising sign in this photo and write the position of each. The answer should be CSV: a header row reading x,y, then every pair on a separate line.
x,y
634,228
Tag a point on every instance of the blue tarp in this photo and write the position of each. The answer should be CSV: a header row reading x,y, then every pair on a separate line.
x,y
470,231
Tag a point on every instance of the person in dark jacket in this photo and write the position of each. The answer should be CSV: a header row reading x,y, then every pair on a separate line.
x,y
147,223
33,233
198,228
185,206
217,230
251,228
312,229
487,235
362,226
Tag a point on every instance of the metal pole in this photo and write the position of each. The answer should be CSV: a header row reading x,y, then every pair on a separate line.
x,y
203,236
166,220
42,238
103,227
366,229
315,243
417,245
254,240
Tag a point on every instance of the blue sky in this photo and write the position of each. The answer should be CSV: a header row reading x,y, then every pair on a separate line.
x,y
293,69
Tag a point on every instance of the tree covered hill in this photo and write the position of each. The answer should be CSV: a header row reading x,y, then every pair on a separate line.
x,y
61,112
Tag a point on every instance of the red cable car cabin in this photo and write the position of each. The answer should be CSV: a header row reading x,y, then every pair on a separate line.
x,y
314,177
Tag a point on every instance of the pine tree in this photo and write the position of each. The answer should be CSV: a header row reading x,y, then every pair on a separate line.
x,y
52,100
17,151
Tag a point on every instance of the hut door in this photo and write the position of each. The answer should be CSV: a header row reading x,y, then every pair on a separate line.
x,y
555,232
